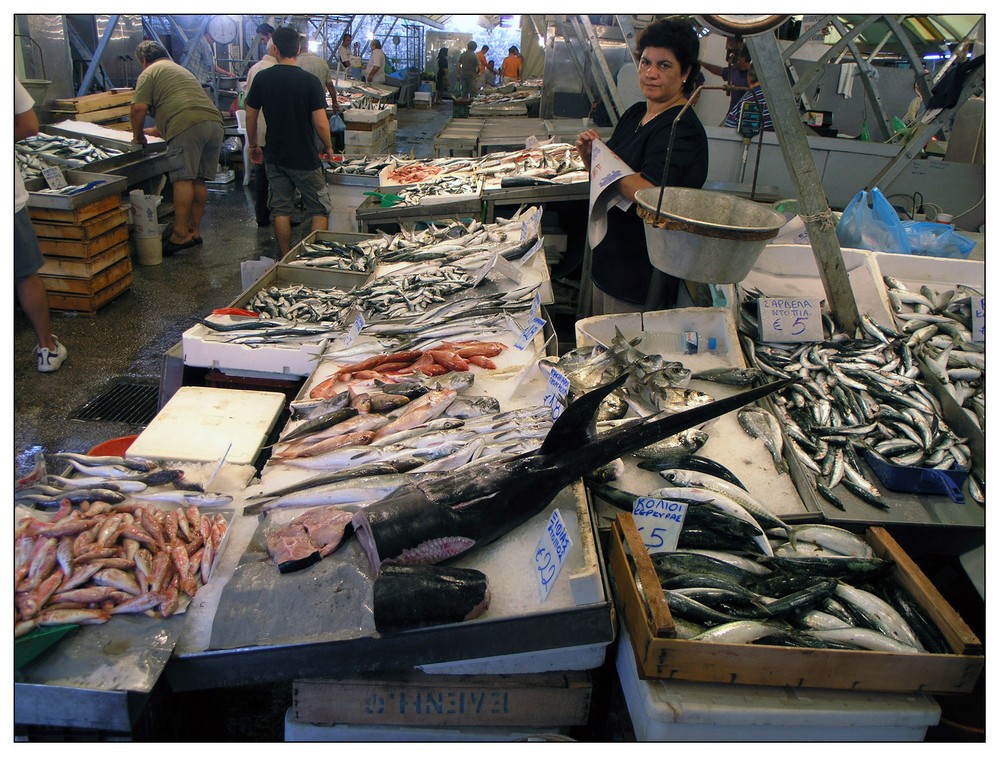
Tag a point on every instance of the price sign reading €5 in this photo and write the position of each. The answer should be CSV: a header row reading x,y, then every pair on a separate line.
x,y
524,339
556,392
659,522
790,319
550,554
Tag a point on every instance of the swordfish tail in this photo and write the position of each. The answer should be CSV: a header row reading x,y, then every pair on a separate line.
x,y
441,518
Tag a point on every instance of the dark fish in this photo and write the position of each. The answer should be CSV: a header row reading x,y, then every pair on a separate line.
x,y
444,516
412,596
319,423
731,376
694,463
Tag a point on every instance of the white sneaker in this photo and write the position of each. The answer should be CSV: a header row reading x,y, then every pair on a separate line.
x,y
50,360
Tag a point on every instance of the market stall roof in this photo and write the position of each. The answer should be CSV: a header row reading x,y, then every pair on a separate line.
x,y
928,34
436,22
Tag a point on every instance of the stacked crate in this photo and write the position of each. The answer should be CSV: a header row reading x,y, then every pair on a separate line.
x,y
87,254
369,131
110,109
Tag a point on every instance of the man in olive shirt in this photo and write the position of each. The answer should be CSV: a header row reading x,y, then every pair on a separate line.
x,y
190,123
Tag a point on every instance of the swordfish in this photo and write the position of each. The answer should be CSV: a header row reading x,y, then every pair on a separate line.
x,y
441,517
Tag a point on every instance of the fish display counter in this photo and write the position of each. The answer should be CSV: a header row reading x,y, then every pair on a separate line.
x,y
136,164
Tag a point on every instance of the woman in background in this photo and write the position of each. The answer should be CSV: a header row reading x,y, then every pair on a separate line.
x,y
442,72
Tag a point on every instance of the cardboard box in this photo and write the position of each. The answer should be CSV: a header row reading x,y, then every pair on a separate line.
x,y
659,654
421,699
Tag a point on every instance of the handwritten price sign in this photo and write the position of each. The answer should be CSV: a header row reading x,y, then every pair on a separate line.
x,y
659,522
979,319
556,392
54,177
790,319
536,325
355,330
550,554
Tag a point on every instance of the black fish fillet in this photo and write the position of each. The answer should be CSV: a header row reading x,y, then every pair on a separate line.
x,y
411,596
442,517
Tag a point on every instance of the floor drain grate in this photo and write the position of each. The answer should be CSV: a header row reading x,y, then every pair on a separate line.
x,y
125,401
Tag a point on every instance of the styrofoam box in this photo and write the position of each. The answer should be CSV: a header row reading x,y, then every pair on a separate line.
x,y
791,270
937,273
368,115
728,443
298,731
663,710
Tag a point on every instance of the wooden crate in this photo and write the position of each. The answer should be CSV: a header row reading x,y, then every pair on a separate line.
x,y
90,229
95,116
84,268
537,700
98,101
90,286
89,304
77,248
659,654
75,216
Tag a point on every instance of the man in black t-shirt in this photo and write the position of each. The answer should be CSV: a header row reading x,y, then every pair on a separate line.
x,y
294,104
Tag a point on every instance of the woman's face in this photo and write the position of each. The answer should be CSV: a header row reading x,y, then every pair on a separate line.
x,y
660,76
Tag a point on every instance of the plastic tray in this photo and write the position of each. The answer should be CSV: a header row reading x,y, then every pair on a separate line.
x,y
903,478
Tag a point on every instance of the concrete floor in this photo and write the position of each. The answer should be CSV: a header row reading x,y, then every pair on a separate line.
x,y
129,336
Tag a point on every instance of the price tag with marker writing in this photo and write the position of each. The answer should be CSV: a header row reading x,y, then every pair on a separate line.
x,y
659,522
790,319
54,177
532,226
553,548
556,392
979,319
355,330
533,328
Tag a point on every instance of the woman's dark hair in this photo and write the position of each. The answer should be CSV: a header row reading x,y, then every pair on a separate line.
x,y
678,37
286,39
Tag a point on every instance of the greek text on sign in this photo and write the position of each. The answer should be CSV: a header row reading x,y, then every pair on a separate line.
x,y
979,319
550,554
532,226
659,522
790,319
359,323
556,392
536,325
54,177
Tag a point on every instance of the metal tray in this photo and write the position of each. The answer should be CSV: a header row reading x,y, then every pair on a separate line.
x,y
109,185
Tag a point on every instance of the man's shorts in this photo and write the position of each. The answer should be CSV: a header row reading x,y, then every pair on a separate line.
x,y
27,254
282,183
200,147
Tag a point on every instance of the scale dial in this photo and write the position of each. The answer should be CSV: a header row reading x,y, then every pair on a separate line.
x,y
223,29
741,25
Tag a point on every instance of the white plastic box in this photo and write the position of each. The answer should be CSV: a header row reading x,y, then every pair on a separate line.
x,y
664,710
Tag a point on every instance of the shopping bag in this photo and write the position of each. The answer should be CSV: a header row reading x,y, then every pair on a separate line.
x,y
337,124
870,223
938,240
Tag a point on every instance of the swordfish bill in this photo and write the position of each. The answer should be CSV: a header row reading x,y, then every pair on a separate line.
x,y
442,517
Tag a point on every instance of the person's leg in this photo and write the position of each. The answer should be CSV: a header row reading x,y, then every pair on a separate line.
x,y
315,201
283,232
261,196
183,211
35,304
200,200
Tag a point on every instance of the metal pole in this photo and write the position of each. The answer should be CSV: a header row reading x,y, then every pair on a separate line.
x,y
95,61
818,217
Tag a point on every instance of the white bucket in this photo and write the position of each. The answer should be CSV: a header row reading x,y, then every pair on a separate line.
x,y
144,213
149,250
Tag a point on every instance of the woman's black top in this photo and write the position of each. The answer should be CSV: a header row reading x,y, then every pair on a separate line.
x,y
620,265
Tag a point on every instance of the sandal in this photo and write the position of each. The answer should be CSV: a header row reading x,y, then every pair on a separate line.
x,y
171,248
197,240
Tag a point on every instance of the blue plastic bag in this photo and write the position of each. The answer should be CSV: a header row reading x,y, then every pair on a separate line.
x,y
337,124
937,240
872,225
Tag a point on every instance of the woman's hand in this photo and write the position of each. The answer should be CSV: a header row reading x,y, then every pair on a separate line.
x,y
584,145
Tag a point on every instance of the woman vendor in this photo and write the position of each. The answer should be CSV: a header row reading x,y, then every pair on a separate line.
x,y
623,278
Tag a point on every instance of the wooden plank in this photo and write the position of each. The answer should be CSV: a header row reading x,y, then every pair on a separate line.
x,y
89,305
97,101
83,249
78,268
90,286
90,229
96,116
537,700
862,670
75,215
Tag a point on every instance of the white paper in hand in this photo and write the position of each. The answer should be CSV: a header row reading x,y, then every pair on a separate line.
x,y
606,169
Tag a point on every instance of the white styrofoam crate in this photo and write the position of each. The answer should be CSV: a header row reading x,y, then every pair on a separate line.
x,y
728,443
293,360
368,115
791,270
937,273
296,730
664,710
